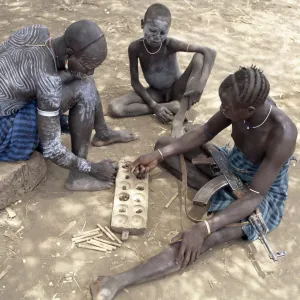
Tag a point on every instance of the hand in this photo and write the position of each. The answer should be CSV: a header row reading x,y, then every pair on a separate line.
x,y
163,114
145,164
105,170
191,242
177,131
193,96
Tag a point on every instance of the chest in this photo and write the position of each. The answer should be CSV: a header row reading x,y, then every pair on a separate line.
x,y
252,142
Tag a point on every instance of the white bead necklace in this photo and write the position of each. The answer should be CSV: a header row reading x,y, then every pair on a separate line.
x,y
253,127
152,53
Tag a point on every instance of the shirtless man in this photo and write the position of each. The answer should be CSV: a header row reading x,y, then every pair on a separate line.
x,y
58,74
265,139
170,91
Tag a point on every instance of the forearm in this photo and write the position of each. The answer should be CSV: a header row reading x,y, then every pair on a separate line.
x,y
208,63
141,91
236,211
49,131
192,139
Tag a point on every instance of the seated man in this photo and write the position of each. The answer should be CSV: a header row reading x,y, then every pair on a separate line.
x,y
167,84
265,139
33,78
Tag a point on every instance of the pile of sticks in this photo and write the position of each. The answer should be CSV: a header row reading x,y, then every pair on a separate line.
x,y
92,240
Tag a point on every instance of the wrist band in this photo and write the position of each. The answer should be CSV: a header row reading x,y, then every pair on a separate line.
x,y
208,227
160,153
187,48
256,192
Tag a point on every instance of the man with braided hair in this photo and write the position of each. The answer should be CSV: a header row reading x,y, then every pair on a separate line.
x,y
265,140
40,78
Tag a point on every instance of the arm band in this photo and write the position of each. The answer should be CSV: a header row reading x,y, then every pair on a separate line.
x,y
48,113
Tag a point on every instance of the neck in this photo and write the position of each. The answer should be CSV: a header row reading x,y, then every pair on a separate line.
x,y
59,48
259,115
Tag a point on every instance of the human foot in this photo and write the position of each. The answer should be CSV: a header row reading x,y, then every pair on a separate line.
x,y
114,136
83,182
103,288
177,131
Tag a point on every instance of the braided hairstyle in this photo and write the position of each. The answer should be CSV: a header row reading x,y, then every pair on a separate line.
x,y
249,85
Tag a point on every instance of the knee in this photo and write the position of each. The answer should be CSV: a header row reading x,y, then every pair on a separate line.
x,y
198,59
87,90
163,141
115,109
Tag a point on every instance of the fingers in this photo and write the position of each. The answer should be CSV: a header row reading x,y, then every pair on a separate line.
x,y
193,257
187,258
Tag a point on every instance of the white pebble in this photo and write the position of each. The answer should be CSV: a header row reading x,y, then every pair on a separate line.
x,y
57,255
24,261
73,292
58,243
50,283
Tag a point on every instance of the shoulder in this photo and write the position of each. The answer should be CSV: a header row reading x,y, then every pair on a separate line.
x,y
283,135
33,34
135,45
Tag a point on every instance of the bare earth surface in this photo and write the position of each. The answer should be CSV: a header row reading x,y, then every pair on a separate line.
x,y
265,33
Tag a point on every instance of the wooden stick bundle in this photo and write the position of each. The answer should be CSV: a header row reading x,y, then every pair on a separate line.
x,y
116,238
102,245
84,239
107,242
85,233
91,247
106,232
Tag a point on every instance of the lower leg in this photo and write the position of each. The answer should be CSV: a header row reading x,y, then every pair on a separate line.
x,y
163,264
104,135
79,97
188,81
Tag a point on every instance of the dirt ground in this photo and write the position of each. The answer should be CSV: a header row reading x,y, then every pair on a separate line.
x,y
264,33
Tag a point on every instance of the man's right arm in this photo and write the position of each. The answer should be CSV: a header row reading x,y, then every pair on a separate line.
x,y
134,74
198,136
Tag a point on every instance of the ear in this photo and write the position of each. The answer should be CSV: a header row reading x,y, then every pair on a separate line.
x,y
251,109
142,23
69,52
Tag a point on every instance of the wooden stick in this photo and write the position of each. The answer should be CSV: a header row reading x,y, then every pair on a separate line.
x,y
106,232
101,245
116,238
5,271
107,242
85,233
91,248
171,200
84,239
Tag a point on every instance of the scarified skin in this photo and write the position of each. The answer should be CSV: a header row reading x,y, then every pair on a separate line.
x,y
25,72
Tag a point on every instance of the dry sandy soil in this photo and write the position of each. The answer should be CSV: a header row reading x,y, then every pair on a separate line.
x,y
265,33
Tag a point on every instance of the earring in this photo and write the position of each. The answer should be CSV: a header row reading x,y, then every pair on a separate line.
x,y
67,64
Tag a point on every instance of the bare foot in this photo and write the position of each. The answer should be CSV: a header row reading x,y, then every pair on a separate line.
x,y
103,288
114,137
78,181
177,131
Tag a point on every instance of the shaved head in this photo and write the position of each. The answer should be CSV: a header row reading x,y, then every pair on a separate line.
x,y
156,11
80,35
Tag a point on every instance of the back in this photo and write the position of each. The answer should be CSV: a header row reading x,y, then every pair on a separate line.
x,y
21,62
